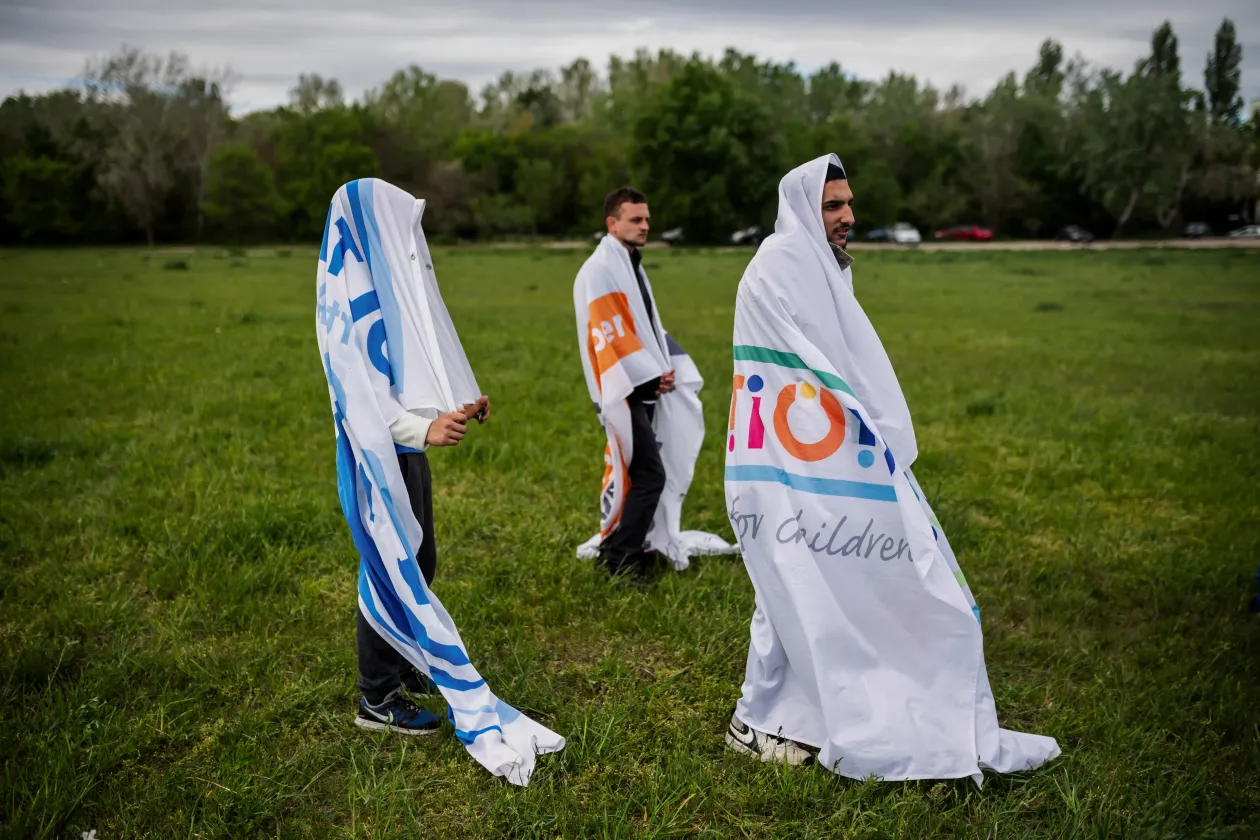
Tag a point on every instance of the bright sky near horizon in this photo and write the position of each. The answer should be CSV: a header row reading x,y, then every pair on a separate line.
x,y
44,44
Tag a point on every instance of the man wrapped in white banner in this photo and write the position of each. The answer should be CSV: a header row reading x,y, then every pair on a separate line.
x,y
646,390
398,380
866,641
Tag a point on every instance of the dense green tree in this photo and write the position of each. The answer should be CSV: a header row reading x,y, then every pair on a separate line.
x,y
709,154
39,197
1222,78
149,148
316,154
240,203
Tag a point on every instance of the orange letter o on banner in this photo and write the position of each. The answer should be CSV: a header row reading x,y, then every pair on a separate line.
x,y
824,448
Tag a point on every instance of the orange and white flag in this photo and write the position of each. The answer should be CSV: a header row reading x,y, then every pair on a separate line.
x,y
621,347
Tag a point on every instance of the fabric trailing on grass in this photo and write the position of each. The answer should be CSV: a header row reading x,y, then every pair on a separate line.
x,y
388,346
623,345
866,640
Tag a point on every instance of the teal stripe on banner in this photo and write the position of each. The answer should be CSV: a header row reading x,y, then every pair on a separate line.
x,y
752,353
810,484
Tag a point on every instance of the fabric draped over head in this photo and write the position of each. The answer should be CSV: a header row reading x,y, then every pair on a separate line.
x,y
388,346
427,364
865,640
824,306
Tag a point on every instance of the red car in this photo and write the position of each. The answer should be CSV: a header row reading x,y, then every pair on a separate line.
x,y
966,233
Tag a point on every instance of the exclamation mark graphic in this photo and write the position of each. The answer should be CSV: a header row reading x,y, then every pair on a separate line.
x,y
730,427
756,429
865,438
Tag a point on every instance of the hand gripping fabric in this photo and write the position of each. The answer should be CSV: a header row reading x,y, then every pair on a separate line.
x,y
620,349
866,641
388,345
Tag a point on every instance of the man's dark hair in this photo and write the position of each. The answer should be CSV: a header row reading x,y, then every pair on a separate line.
x,y
618,197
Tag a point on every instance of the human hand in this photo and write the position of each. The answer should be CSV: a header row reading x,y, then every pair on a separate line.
x,y
447,430
479,409
667,383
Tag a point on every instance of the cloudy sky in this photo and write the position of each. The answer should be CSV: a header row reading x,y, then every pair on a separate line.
x,y
44,43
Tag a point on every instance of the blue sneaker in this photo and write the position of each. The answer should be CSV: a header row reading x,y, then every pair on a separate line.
x,y
396,714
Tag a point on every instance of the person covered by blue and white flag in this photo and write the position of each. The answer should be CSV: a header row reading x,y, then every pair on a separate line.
x,y
866,641
399,382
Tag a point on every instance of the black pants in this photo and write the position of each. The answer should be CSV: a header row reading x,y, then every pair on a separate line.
x,y
381,668
647,480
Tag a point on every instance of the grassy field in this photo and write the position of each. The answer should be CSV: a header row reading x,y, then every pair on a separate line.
x,y
177,582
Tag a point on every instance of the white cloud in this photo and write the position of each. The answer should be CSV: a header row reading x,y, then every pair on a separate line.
x,y
268,42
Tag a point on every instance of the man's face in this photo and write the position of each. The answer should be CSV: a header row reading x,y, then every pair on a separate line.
x,y
837,211
631,227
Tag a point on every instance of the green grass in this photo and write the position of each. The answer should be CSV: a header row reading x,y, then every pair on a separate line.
x,y
178,584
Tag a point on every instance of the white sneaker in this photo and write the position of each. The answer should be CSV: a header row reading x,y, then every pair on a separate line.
x,y
744,739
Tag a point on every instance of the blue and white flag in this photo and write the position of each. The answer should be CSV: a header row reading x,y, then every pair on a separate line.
x,y
388,346
866,641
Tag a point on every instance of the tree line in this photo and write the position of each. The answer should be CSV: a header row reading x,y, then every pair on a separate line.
x,y
146,149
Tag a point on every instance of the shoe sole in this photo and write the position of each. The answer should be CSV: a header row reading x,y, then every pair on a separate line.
x,y
375,726
774,756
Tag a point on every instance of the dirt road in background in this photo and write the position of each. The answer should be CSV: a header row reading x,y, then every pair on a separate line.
x,y
1051,245
1016,245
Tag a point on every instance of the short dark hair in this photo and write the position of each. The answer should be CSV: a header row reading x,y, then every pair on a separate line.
x,y
618,197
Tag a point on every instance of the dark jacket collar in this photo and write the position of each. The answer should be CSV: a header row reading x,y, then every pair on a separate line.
x,y
842,256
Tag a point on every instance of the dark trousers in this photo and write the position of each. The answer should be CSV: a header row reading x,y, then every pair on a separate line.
x,y
647,480
381,668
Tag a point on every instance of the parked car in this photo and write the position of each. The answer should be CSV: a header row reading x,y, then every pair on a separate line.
x,y
673,236
749,236
1246,232
598,236
1074,233
879,235
904,234
1198,230
966,233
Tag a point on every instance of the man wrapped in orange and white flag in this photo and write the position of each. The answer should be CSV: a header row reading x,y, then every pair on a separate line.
x,y
646,392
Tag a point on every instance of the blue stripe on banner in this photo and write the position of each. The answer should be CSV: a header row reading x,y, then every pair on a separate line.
x,y
892,465
367,493
410,571
400,613
467,738
810,484
363,205
339,393
323,246
453,654
445,680
376,342
403,450
364,305
865,436
369,557
373,569
365,594
450,653
356,212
